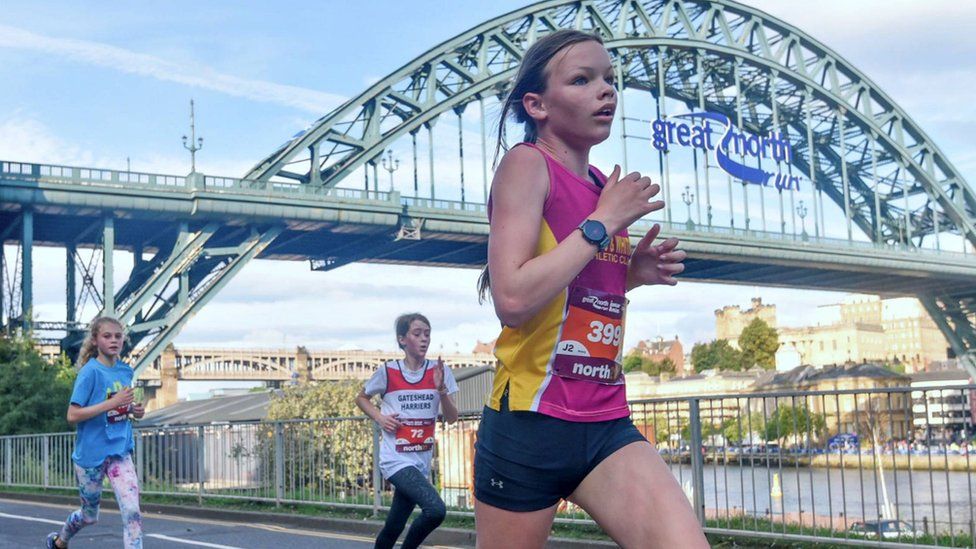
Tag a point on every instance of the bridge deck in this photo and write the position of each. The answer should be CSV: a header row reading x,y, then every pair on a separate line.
x,y
333,227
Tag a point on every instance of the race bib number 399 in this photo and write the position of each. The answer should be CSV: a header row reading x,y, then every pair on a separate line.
x,y
590,346
415,435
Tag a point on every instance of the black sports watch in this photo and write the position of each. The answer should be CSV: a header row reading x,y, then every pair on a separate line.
x,y
595,233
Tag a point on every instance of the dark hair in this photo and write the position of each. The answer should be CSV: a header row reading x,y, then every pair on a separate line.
x,y
531,78
403,322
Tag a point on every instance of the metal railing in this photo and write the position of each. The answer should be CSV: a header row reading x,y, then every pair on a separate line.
x,y
817,465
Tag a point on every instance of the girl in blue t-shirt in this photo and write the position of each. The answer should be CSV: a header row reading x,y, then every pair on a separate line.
x,y
101,404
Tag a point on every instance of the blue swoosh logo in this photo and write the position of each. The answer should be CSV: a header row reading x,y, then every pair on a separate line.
x,y
733,168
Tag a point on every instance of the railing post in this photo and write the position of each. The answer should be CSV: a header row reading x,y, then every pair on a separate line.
x,y
7,464
697,461
140,457
46,459
279,461
377,477
201,468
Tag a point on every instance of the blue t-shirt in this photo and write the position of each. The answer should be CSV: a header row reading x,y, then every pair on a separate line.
x,y
108,433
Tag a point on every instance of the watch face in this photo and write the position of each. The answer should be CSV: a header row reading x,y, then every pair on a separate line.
x,y
594,230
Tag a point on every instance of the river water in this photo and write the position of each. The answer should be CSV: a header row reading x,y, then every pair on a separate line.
x,y
945,499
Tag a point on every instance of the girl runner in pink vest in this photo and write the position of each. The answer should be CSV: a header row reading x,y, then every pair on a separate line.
x,y
412,390
560,262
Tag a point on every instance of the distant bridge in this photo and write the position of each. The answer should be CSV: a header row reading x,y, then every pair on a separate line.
x,y
272,366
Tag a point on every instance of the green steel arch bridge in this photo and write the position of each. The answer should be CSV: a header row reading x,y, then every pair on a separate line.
x,y
889,214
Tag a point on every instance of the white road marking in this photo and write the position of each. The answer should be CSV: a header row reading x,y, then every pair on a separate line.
x,y
304,532
33,519
191,542
258,525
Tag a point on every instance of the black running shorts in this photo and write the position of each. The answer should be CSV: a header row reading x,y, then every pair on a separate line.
x,y
526,461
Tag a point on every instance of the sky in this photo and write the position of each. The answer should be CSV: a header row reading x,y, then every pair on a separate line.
x,y
95,83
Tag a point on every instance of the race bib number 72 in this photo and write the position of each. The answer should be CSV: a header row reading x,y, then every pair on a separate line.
x,y
415,435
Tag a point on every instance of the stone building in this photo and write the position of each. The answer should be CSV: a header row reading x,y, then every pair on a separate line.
x,y
660,349
867,328
888,412
731,319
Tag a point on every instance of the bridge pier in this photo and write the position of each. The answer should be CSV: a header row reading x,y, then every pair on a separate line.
x,y
303,365
165,394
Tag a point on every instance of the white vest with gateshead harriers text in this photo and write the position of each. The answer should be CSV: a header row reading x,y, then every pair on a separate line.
x,y
413,395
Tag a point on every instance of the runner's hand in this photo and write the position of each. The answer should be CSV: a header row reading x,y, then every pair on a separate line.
x,y
439,376
389,423
138,410
655,264
625,200
123,397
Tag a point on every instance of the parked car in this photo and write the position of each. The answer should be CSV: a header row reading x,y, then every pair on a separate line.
x,y
887,529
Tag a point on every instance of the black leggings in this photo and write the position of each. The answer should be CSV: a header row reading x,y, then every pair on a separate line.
x,y
411,488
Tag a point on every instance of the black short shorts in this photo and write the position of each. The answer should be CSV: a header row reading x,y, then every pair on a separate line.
x,y
526,461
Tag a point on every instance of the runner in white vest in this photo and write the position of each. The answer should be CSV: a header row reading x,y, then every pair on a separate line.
x,y
413,391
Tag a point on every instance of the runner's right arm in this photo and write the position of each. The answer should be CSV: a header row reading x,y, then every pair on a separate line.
x,y
388,423
77,414
522,283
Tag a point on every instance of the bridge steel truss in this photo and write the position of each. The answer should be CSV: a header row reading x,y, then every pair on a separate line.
x,y
191,235
848,136
188,261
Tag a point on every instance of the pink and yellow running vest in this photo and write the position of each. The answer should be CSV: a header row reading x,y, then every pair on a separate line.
x,y
566,361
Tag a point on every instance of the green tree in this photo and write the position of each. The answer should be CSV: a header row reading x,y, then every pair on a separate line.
x,y
336,449
716,355
739,428
633,362
658,367
895,366
759,342
787,421
317,401
34,393
667,423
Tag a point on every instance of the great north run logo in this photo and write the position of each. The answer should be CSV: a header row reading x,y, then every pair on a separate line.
x,y
774,147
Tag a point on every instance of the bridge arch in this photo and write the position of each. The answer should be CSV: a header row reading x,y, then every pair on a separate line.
x,y
860,149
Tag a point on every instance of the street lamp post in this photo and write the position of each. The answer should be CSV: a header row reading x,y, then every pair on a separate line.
x,y
688,198
195,143
391,165
801,210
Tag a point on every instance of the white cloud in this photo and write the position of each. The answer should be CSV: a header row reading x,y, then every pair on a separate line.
x,y
25,139
195,75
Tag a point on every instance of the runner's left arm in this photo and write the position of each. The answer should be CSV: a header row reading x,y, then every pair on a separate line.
x,y
448,408
447,390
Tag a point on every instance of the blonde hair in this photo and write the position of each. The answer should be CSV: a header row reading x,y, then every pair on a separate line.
x,y
89,348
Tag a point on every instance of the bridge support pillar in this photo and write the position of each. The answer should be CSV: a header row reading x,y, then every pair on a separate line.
x,y
108,268
169,376
303,366
27,267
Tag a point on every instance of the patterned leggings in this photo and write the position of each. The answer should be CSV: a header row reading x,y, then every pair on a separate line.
x,y
411,488
122,476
